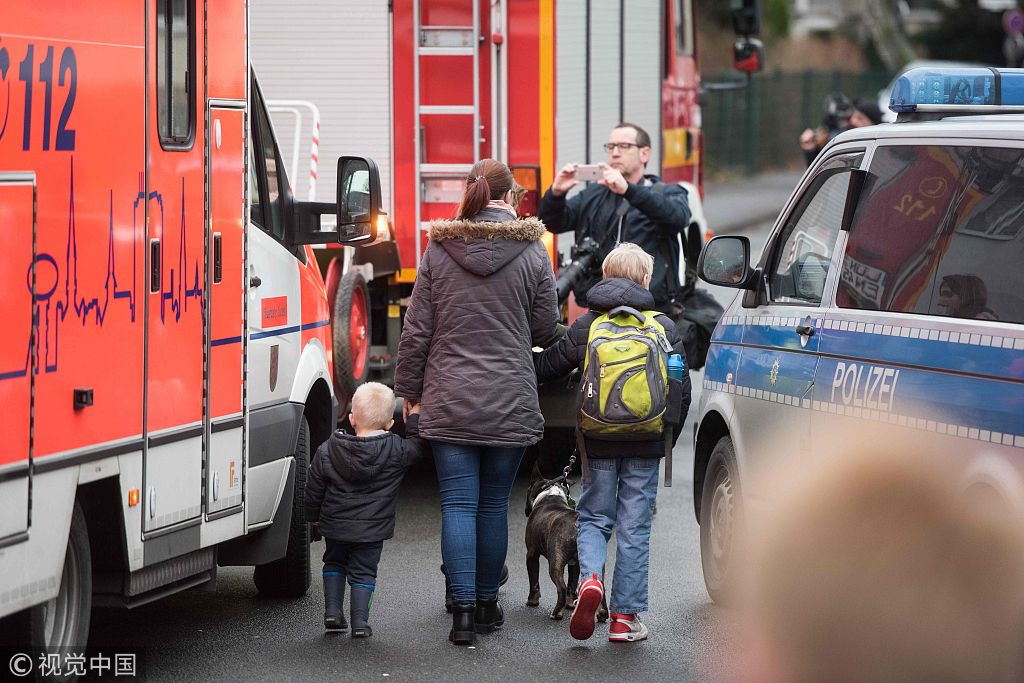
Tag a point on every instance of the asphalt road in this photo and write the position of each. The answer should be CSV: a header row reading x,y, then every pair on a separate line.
x,y
232,634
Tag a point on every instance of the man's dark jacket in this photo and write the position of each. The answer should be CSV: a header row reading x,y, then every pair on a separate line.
x,y
559,360
484,297
352,488
654,220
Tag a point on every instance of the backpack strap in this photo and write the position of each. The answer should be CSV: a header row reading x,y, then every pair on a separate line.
x,y
581,441
668,456
628,311
581,448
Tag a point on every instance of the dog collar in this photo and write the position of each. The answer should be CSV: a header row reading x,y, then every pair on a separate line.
x,y
553,490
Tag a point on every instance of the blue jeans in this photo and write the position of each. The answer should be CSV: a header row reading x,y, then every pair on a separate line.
x,y
475,485
621,494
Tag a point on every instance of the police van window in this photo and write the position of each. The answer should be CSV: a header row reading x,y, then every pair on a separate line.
x,y
272,173
939,231
803,252
174,73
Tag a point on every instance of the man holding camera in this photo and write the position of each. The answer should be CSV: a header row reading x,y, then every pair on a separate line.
x,y
623,204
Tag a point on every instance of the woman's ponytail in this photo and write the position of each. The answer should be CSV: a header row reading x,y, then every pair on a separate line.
x,y
478,193
488,179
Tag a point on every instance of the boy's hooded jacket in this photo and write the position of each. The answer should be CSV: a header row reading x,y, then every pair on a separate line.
x,y
484,297
352,488
568,354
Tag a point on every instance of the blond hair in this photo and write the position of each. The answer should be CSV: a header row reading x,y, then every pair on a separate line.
x,y
373,405
629,261
877,569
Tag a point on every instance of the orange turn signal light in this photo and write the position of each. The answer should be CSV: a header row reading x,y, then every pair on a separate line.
x,y
133,497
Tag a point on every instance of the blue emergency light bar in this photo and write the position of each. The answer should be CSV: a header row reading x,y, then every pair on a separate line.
x,y
967,89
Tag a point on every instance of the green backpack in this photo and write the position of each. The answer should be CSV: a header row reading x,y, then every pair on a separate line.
x,y
624,391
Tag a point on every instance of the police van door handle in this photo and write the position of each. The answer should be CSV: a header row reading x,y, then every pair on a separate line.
x,y
255,281
805,329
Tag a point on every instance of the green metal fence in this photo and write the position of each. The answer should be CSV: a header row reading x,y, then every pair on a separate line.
x,y
754,129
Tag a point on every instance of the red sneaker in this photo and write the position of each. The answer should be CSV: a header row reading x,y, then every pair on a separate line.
x,y
584,617
626,628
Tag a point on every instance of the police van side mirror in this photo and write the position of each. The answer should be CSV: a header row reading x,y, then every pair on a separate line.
x,y
725,261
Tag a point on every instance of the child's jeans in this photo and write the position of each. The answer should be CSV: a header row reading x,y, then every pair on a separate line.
x,y
621,493
355,561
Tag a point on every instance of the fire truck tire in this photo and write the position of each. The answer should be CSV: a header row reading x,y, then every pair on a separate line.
x,y
351,334
289,577
335,269
62,622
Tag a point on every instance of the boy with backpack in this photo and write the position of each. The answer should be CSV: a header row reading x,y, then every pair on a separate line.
x,y
351,496
626,423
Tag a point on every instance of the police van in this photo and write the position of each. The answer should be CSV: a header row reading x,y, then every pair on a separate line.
x,y
888,299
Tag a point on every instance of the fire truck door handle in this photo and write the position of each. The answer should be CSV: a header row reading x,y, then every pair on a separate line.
x,y
218,251
255,281
154,266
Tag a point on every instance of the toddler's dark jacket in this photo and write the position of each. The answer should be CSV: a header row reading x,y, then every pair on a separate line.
x,y
352,488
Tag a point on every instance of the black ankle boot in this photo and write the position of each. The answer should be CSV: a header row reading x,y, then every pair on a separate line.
x,y
488,616
334,602
361,598
462,624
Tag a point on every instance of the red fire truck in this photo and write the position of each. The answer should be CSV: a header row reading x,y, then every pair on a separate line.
x,y
443,83
167,362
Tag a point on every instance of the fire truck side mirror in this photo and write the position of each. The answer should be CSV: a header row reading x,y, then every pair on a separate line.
x,y
359,199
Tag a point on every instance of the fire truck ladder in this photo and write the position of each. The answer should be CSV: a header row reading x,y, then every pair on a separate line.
x,y
443,41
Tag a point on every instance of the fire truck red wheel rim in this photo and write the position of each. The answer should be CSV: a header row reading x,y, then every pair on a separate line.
x,y
357,338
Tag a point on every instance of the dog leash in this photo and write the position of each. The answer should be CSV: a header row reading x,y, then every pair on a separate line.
x,y
563,478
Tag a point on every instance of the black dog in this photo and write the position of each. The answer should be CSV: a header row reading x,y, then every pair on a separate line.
x,y
551,532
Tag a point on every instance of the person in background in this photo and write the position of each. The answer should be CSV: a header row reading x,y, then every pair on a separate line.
x,y
623,206
840,115
964,296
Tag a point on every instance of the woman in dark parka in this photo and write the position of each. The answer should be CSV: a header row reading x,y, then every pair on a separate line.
x,y
484,297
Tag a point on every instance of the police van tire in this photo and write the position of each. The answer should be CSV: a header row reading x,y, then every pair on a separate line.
x,y
289,577
62,622
351,334
721,523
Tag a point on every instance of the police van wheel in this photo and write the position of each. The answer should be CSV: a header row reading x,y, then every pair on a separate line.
x,y
721,523
289,577
62,622
351,333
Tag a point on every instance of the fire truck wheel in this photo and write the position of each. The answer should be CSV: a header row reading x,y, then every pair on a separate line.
x,y
332,279
721,523
289,576
351,334
62,622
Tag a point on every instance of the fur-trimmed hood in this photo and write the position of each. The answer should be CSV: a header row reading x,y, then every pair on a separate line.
x,y
484,247
522,230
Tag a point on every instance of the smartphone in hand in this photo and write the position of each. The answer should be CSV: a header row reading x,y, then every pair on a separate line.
x,y
589,173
